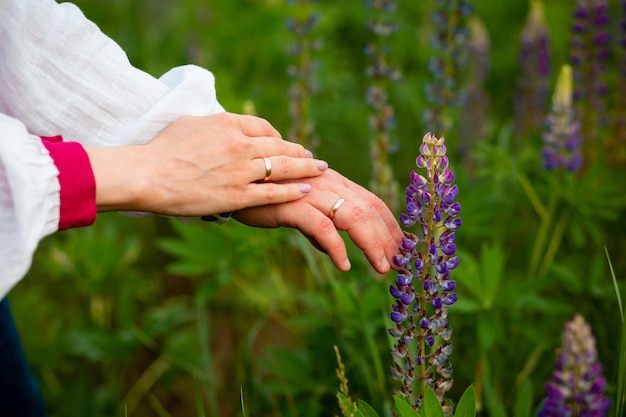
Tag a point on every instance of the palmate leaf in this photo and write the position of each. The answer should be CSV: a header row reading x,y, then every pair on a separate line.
x,y
431,407
366,410
349,409
346,405
467,404
403,408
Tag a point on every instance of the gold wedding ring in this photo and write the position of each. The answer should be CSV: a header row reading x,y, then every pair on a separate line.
x,y
268,169
333,210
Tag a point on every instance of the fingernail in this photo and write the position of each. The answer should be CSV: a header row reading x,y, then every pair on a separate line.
x,y
345,266
305,188
308,153
321,165
384,264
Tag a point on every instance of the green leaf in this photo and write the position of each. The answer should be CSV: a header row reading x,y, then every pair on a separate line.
x,y
620,396
366,410
347,407
487,327
492,260
431,406
467,404
403,408
524,400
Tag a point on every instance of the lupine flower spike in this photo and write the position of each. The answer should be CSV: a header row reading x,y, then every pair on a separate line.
x,y
532,96
302,71
474,108
423,289
589,55
577,385
616,146
382,116
449,57
562,140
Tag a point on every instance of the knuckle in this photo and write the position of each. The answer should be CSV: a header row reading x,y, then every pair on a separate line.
x,y
391,243
272,192
236,144
358,214
324,225
376,246
377,203
284,165
264,125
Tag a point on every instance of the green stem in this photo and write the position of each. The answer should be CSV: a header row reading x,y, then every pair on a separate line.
x,y
555,242
533,197
542,236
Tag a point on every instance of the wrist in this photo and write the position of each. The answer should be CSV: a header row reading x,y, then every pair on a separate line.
x,y
120,178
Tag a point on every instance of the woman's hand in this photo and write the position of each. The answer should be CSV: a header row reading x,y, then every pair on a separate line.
x,y
368,221
203,165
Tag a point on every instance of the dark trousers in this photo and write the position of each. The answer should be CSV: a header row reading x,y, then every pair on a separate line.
x,y
19,392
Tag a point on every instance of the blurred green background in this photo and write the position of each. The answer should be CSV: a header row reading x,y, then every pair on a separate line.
x,y
145,317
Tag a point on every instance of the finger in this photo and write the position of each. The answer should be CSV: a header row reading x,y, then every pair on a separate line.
x,y
312,223
382,209
261,194
254,126
280,168
391,248
259,147
364,225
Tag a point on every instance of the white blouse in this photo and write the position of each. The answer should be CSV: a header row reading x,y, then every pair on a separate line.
x,y
59,74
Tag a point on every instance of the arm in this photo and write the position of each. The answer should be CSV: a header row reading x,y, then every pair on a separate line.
x,y
59,73
30,206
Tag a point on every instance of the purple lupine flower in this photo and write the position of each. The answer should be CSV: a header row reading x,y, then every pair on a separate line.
x,y
577,385
590,48
302,71
532,97
562,140
616,142
475,105
423,289
382,116
449,41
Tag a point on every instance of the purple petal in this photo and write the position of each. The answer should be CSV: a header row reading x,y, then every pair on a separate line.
x,y
403,280
448,286
406,298
450,299
397,317
400,260
395,292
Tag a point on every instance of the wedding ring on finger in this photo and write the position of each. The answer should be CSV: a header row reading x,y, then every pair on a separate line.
x,y
268,169
333,210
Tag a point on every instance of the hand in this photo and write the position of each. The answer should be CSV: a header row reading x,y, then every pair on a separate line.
x,y
368,221
203,165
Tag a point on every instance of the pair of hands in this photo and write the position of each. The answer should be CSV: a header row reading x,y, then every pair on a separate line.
x,y
214,164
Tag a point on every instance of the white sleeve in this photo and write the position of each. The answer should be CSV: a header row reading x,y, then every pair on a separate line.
x,y
29,199
59,74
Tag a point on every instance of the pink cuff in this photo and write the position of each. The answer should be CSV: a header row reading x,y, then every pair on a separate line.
x,y
78,185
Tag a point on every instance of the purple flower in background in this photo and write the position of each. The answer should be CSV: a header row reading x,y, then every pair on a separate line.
x,y
302,70
590,48
577,385
532,96
616,142
449,44
474,107
562,140
423,289
382,118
